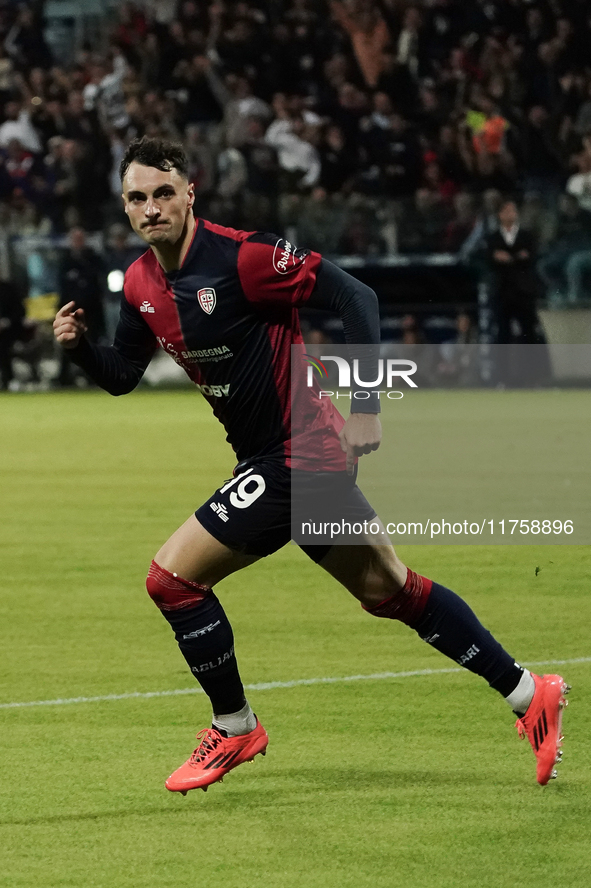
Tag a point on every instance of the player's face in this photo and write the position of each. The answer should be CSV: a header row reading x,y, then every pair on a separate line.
x,y
158,203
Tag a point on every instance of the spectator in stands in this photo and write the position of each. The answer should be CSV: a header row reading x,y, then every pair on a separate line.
x,y
462,224
20,217
204,98
412,332
12,314
119,255
81,280
25,43
579,184
131,31
488,127
460,365
232,175
374,102
6,75
583,117
338,163
467,331
17,126
350,106
486,223
49,120
410,41
369,36
569,257
431,112
453,156
202,166
173,48
538,217
235,94
515,284
361,233
81,186
56,184
18,163
261,190
392,159
298,157
104,93
423,224
435,181
541,159
321,223
239,45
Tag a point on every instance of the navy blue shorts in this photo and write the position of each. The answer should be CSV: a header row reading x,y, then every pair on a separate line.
x,y
253,513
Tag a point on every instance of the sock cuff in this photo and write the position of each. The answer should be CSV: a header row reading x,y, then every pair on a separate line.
x,y
408,604
170,592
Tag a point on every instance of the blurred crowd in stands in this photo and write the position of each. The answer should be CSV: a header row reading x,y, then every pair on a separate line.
x,y
365,127
368,126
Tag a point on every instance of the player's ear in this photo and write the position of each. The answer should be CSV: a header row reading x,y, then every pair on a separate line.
x,y
124,204
190,195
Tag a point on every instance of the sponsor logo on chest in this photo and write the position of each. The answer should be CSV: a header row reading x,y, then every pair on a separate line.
x,y
204,355
214,391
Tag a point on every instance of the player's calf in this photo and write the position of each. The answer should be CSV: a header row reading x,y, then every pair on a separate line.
x,y
448,624
204,636
445,621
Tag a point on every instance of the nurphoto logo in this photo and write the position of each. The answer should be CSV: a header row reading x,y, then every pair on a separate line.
x,y
387,370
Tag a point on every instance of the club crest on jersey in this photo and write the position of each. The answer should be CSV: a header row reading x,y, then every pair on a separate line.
x,y
207,299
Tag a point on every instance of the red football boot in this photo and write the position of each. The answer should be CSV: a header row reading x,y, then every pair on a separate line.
x,y
215,756
542,724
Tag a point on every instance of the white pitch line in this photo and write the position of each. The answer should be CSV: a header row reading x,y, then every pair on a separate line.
x,y
271,685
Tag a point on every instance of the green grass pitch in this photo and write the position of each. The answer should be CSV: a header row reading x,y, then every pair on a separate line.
x,y
391,783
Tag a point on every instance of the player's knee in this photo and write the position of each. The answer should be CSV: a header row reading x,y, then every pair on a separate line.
x,y
383,579
169,592
406,604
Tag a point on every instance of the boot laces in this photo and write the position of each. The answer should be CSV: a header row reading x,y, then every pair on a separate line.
x,y
210,740
521,728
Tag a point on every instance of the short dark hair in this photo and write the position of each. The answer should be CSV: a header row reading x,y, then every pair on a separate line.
x,y
159,153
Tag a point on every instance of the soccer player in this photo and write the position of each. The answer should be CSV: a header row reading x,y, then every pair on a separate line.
x,y
223,304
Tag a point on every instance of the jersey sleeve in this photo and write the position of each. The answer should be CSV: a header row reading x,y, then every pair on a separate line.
x,y
119,367
133,338
357,306
273,271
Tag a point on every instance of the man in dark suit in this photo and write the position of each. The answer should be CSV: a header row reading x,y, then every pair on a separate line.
x,y
81,277
515,282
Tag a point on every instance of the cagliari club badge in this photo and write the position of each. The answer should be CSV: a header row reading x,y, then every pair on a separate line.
x,y
206,298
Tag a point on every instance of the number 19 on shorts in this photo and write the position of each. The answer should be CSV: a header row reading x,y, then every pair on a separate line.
x,y
248,489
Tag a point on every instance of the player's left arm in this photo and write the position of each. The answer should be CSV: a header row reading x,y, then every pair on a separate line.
x,y
357,306
273,271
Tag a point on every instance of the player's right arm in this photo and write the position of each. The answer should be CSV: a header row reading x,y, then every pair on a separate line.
x,y
116,368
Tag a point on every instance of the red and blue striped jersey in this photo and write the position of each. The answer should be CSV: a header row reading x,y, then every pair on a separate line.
x,y
229,316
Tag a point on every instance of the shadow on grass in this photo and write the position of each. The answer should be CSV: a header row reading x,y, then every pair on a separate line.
x,y
88,816
277,788
361,779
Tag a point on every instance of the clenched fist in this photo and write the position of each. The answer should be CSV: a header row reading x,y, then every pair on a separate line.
x,y
69,325
361,434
